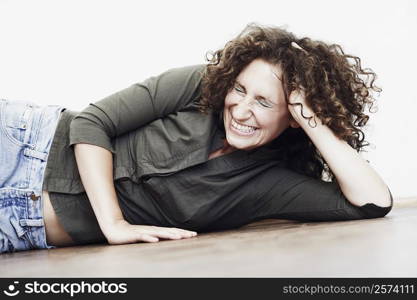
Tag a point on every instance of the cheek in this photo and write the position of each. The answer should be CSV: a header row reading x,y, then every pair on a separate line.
x,y
273,124
229,100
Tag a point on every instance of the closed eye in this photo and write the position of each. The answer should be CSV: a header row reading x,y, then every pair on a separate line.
x,y
239,89
261,100
264,103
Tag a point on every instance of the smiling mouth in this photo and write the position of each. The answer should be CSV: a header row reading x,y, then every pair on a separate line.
x,y
242,129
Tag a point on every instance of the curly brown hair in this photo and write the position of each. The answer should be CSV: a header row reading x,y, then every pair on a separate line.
x,y
336,88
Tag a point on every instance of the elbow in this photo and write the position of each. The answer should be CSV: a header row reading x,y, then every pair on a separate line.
x,y
378,209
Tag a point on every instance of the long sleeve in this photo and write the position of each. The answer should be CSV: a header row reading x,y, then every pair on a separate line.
x,y
136,106
290,195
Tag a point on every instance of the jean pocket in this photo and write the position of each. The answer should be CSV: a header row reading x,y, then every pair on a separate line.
x,y
13,236
21,241
16,119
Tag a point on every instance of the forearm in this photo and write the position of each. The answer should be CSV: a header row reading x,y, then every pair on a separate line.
x,y
358,181
95,165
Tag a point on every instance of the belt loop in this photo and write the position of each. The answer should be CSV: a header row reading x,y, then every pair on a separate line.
x,y
31,222
36,154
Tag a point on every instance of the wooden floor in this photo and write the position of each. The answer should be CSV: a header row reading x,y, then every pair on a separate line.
x,y
385,247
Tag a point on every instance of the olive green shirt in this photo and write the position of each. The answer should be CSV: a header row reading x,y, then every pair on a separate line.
x,y
160,143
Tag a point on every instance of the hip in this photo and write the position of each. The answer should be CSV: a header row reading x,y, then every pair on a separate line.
x,y
55,232
26,132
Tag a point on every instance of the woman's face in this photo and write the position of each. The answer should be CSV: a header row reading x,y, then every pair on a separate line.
x,y
255,111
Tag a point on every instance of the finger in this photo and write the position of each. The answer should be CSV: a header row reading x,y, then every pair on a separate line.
x,y
174,231
184,231
188,233
166,235
148,238
171,234
161,232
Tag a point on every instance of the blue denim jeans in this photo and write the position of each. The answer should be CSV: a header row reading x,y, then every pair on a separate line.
x,y
26,133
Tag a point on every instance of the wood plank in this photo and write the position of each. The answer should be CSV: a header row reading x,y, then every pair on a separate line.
x,y
383,247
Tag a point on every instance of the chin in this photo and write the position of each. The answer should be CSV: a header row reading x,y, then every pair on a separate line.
x,y
241,145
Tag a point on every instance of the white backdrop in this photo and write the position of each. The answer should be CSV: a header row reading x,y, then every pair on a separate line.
x,y
79,51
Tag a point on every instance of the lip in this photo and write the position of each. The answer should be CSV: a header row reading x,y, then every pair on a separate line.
x,y
234,120
238,132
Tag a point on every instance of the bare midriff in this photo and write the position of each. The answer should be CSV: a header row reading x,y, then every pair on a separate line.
x,y
55,233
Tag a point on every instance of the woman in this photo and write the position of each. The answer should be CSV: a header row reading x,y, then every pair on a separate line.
x,y
269,128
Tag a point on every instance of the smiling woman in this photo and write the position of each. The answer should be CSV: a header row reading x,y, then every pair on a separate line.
x,y
255,110
248,136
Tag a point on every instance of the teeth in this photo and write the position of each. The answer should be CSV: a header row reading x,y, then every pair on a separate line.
x,y
243,128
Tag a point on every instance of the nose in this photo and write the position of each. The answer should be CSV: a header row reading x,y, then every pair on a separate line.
x,y
243,109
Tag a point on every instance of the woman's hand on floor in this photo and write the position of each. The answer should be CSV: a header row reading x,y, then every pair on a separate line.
x,y
121,232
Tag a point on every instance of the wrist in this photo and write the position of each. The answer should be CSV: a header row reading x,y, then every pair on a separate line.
x,y
305,118
107,226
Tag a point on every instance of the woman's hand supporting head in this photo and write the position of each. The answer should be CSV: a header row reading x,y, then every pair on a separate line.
x,y
336,88
306,95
